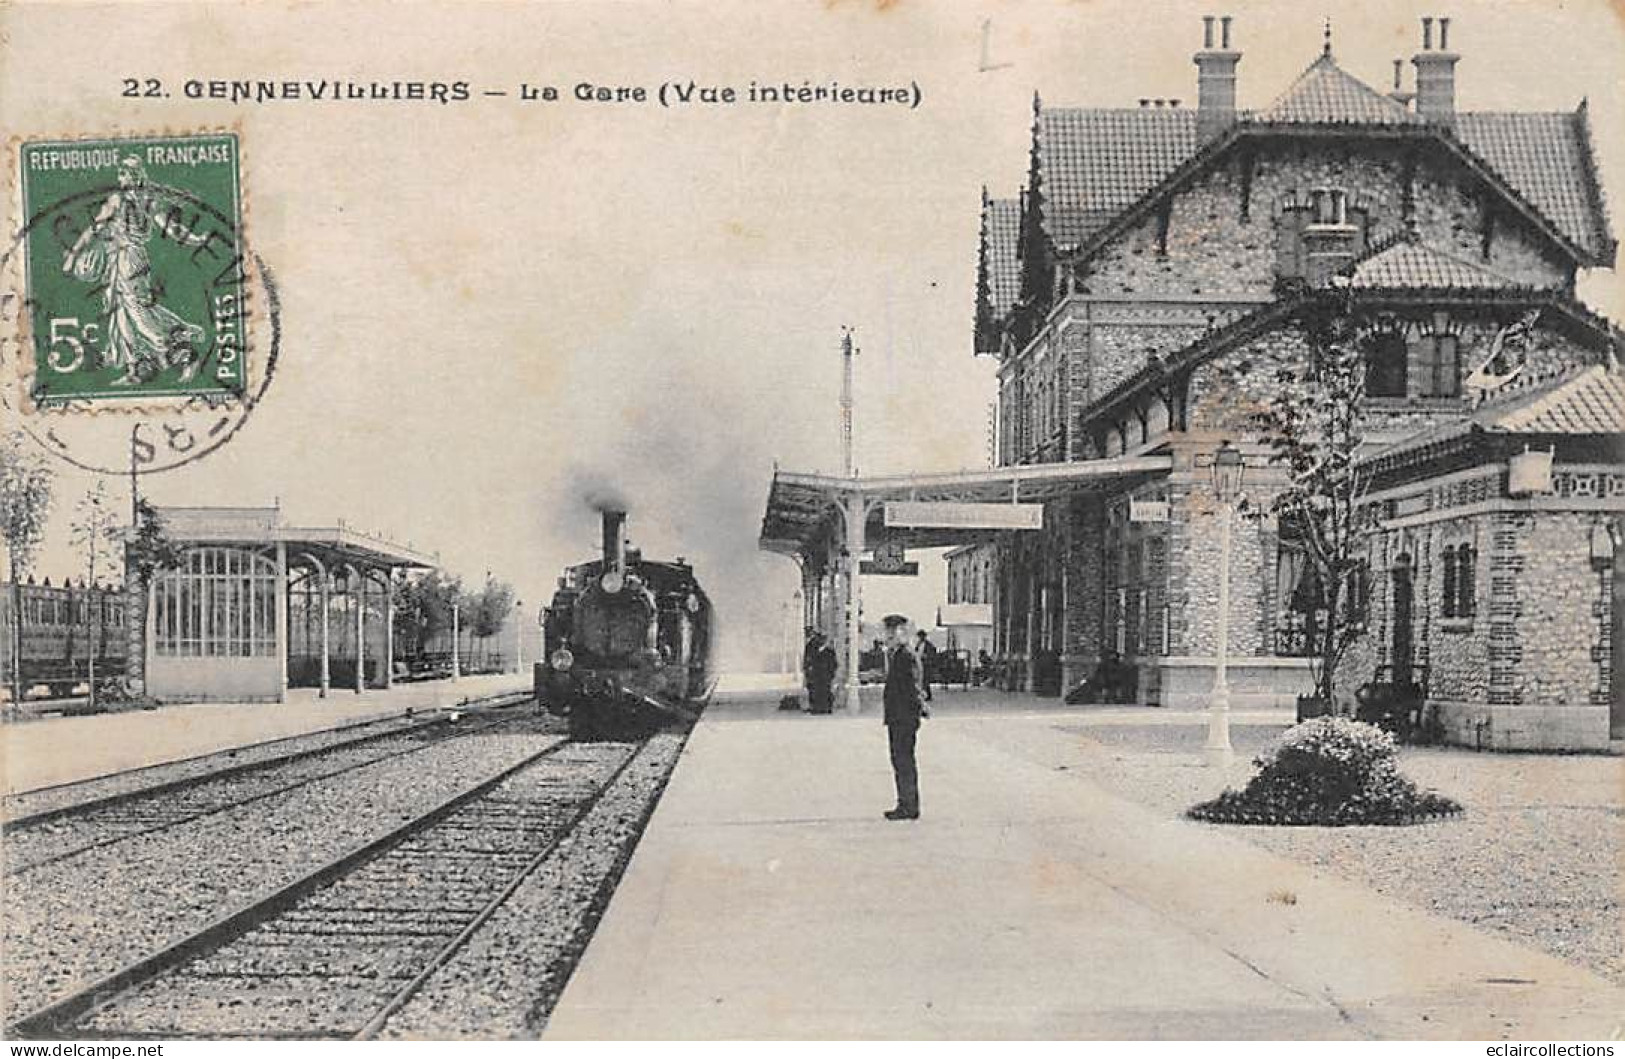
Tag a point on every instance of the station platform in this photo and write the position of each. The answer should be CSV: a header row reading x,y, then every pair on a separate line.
x,y
768,899
49,751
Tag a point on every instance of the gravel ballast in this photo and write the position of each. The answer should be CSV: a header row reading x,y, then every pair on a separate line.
x,y
32,843
67,795
506,979
68,923
331,962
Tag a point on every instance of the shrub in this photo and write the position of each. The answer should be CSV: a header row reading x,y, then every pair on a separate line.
x,y
1330,771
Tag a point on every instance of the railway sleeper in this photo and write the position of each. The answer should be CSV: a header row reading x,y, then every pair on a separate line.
x,y
339,910
358,930
336,954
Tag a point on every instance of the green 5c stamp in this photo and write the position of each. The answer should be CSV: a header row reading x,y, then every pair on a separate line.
x,y
135,276
138,329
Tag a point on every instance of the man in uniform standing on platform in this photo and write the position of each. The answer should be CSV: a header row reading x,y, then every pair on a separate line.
x,y
928,662
904,708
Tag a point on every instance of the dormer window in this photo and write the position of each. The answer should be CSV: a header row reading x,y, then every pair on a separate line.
x,y
1442,365
1385,365
1330,208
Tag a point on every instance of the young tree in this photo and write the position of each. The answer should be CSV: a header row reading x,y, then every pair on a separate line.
x,y
1314,427
489,610
423,608
25,502
149,549
95,528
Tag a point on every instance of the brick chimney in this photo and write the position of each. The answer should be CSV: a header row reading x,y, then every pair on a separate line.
x,y
1399,95
1436,74
1215,80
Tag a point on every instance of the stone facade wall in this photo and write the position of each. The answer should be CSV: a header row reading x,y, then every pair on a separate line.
x,y
1531,668
1211,246
1562,603
1228,390
1118,350
1084,622
1450,216
1199,598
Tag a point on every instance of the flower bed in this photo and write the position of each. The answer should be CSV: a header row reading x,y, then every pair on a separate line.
x,y
1327,772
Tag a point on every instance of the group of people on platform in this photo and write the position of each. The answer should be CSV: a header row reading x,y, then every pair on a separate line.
x,y
819,666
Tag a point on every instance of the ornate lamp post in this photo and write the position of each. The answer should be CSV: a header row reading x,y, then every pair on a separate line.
x,y
1228,471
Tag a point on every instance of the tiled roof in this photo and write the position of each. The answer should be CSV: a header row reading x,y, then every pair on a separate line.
x,y
1094,162
1001,233
1325,95
1590,401
1547,159
1409,264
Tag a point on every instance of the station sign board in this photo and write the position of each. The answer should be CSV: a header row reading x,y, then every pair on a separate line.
x,y
889,559
870,568
1147,510
916,514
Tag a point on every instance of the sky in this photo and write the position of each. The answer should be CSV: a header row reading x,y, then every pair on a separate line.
x,y
491,309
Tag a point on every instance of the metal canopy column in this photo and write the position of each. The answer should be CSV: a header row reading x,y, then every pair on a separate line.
x,y
389,627
855,514
282,620
456,634
359,599
326,603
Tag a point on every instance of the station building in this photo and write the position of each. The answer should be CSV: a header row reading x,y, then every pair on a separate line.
x,y
967,619
257,606
1145,286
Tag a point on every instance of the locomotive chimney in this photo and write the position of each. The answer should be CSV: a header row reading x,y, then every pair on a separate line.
x,y
615,541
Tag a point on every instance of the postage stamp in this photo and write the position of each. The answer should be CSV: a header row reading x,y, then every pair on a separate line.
x,y
133,291
133,264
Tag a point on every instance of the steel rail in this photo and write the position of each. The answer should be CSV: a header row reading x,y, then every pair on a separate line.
x,y
58,1016
238,803
29,820
447,952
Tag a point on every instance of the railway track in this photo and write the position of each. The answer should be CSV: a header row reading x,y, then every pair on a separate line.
x,y
336,952
56,834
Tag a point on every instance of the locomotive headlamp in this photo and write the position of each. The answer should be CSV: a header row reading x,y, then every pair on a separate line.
x,y
562,660
692,603
612,582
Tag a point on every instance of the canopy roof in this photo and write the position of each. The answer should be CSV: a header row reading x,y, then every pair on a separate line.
x,y
263,525
802,509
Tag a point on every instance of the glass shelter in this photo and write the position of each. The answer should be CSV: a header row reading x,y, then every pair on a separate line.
x,y
255,607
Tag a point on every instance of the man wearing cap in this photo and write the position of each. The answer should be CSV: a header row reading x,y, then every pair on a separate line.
x,y
904,708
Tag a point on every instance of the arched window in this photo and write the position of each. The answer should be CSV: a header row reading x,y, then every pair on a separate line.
x,y
218,602
1385,365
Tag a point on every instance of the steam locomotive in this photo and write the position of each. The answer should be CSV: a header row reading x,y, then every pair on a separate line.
x,y
628,641
59,627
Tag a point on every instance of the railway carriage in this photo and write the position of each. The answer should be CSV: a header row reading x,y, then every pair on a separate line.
x,y
629,642
59,631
